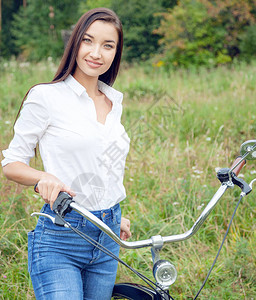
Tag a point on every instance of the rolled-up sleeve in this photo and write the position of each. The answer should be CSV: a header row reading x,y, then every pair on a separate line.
x,y
29,128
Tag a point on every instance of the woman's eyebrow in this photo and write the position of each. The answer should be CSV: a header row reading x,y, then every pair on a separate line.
x,y
110,41
89,35
106,41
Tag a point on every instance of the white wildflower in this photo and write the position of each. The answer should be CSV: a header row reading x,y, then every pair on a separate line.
x,y
195,176
198,171
199,207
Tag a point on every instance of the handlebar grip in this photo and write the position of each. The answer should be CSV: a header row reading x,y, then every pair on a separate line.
x,y
239,167
35,188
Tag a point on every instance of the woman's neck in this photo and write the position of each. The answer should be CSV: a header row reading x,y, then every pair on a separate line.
x,y
89,83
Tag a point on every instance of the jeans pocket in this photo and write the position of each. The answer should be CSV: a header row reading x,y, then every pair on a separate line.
x,y
54,229
31,237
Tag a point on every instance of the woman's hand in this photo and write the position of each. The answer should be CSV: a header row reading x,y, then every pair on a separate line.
x,y
49,187
125,229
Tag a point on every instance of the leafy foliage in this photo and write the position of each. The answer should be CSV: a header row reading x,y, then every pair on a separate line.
x,y
37,27
204,32
139,21
90,4
186,33
248,43
8,7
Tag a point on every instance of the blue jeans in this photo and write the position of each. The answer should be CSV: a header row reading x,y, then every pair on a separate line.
x,y
64,266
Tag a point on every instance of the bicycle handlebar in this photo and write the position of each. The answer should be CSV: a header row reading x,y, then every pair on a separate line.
x,y
226,176
155,241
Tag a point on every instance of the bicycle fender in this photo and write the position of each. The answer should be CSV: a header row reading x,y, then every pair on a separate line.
x,y
134,291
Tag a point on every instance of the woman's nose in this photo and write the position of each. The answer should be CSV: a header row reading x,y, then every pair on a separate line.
x,y
95,52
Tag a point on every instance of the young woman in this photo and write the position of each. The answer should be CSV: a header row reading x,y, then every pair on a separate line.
x,y
75,119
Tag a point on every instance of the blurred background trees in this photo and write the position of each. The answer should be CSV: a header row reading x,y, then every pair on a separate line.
x,y
33,30
207,32
170,33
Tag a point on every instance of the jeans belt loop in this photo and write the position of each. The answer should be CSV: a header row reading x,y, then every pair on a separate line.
x,y
113,214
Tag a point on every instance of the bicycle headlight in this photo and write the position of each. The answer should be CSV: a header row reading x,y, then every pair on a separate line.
x,y
164,273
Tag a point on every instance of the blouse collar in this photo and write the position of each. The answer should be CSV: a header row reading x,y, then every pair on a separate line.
x,y
109,91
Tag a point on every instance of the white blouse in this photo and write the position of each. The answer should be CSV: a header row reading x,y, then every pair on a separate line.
x,y
83,153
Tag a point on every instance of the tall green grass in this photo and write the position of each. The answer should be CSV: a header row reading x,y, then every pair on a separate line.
x,y
183,125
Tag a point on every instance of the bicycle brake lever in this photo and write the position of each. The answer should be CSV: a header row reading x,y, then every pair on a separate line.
x,y
56,221
245,187
34,214
224,175
61,207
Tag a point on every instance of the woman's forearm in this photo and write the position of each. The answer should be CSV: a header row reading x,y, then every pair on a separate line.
x,y
22,173
48,187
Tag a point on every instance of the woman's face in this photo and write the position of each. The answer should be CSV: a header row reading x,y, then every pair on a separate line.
x,y
97,50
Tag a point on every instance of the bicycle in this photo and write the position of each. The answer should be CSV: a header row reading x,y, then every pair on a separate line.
x,y
164,272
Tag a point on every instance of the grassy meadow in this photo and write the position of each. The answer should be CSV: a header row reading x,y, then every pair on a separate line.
x,y
183,125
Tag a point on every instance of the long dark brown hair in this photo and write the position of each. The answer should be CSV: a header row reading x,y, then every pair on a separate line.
x,y
68,62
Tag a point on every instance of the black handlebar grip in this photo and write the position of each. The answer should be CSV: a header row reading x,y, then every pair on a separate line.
x,y
35,188
62,204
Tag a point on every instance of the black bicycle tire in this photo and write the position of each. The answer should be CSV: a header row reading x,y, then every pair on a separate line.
x,y
132,291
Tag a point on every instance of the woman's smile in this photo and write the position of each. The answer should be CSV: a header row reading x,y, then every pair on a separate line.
x,y
93,64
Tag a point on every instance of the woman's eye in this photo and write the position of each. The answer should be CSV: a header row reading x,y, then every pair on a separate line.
x,y
109,46
86,40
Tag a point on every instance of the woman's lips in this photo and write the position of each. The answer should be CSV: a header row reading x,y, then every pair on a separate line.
x,y
93,64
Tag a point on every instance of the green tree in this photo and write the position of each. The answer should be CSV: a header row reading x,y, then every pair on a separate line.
x,y
90,4
139,20
247,44
7,47
37,27
204,32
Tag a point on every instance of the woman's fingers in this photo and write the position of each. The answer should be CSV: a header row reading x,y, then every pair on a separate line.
x,y
49,187
43,191
125,229
57,190
54,194
68,190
